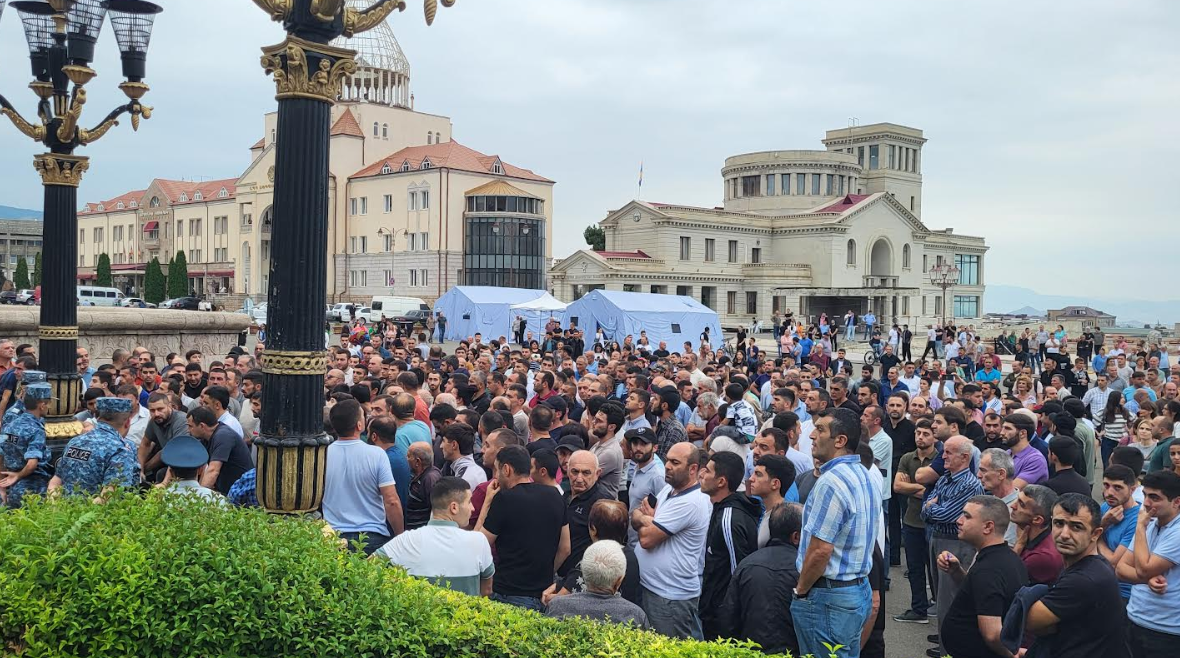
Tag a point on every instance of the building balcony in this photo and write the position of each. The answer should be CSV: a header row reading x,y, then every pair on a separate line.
x,y
783,274
880,281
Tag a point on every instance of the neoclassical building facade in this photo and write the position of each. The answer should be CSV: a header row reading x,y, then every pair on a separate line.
x,y
411,210
808,231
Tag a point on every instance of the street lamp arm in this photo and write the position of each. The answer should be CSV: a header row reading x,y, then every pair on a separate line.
x,y
134,108
69,124
33,131
356,22
279,10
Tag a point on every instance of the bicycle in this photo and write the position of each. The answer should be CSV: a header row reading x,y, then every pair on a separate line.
x,y
870,357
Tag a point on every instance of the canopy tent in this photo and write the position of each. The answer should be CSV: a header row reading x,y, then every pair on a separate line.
x,y
672,318
536,313
483,309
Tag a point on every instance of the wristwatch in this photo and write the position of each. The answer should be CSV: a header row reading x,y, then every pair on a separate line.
x,y
795,590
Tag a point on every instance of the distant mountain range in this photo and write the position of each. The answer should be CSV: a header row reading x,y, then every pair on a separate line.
x,y
1002,299
8,212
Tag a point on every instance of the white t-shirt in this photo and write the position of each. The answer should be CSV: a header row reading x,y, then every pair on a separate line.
x,y
444,553
355,474
673,569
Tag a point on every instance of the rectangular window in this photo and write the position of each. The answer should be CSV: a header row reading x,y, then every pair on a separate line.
x,y
387,277
425,241
860,155
786,186
925,262
756,255
352,207
425,201
364,244
685,247
966,306
364,205
630,287
815,182
352,244
770,185
413,241
684,291
659,290
424,277
388,203
938,305
708,296
840,185
874,156
710,249
751,303
892,150
905,305
413,200
800,183
923,304
968,270
911,203
733,251
829,184
387,244
413,277
751,186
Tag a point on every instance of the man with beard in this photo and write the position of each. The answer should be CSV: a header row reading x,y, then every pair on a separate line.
x,y
648,480
671,544
993,430
1031,466
1081,614
605,445
1031,512
1153,566
913,532
166,424
901,431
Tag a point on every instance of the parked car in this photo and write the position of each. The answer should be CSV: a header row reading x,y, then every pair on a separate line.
x,y
135,302
259,314
26,297
410,319
339,312
183,304
329,314
8,297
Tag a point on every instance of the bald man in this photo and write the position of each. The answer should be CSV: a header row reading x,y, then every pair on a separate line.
x,y
418,506
582,470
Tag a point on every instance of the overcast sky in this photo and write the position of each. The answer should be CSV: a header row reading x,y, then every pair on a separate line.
x,y
1050,125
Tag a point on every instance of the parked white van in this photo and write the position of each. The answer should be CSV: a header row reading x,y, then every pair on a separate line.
x,y
98,296
392,307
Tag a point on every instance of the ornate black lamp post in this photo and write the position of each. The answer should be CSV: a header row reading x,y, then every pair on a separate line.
x,y
61,35
944,275
292,444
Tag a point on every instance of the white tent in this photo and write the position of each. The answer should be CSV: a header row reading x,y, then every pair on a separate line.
x,y
536,313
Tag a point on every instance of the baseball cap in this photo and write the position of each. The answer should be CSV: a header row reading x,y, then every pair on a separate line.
x,y
571,442
645,434
557,403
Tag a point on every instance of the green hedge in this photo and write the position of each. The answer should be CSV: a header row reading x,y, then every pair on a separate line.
x,y
171,577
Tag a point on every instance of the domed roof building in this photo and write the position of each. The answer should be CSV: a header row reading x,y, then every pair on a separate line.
x,y
382,69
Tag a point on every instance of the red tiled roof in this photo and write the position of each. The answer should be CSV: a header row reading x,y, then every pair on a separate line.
x,y
112,205
347,125
261,143
451,155
847,202
638,253
208,189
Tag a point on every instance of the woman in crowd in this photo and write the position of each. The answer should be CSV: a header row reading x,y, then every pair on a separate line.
x,y
1112,427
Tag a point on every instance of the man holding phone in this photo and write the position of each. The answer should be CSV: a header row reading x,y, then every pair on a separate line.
x,y
645,472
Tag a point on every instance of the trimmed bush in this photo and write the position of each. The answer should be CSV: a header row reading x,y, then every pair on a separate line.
x,y
102,272
166,576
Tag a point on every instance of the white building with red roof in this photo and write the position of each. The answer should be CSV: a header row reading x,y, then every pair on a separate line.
x,y
807,231
411,211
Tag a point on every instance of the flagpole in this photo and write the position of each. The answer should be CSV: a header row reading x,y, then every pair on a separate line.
x,y
639,191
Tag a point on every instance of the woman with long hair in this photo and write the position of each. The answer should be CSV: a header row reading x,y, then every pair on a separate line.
x,y
1025,393
1143,437
1112,427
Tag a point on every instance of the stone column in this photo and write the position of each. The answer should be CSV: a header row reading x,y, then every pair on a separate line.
x,y
58,330
292,445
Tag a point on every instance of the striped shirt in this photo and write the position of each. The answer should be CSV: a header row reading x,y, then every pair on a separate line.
x,y
842,510
950,495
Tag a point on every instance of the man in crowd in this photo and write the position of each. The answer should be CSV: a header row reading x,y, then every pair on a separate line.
x,y
913,529
99,460
166,424
672,536
1152,566
582,471
985,587
832,597
360,499
1031,466
22,442
995,474
1120,514
1031,512
604,565
604,443
526,523
424,476
648,478
441,551
733,534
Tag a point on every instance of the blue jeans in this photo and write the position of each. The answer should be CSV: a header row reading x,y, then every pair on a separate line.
x,y
868,331
917,563
526,602
676,619
1107,447
833,616
849,331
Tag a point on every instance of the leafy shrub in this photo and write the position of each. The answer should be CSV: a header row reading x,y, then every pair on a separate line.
x,y
170,577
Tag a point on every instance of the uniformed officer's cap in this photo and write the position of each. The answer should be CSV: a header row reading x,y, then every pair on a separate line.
x,y
34,377
39,392
185,452
113,405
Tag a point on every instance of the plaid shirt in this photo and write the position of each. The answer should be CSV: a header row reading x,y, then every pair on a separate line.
x,y
843,509
669,433
243,493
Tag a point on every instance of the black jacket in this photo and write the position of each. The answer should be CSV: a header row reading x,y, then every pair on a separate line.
x,y
758,604
733,534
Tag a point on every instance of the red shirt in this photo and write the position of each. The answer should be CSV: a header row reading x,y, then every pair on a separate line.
x,y
537,399
421,411
1041,559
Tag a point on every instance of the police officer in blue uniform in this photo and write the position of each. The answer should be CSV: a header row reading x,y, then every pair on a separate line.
x,y
26,459
185,456
29,378
102,457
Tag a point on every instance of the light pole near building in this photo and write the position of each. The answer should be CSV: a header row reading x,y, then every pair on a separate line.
x,y
292,445
944,276
392,233
61,36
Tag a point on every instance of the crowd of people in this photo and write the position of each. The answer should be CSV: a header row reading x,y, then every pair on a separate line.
x,y
702,493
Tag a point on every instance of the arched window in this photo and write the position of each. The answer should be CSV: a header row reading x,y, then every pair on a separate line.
x,y
155,202
429,138
385,131
376,127
905,256
851,252
438,138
